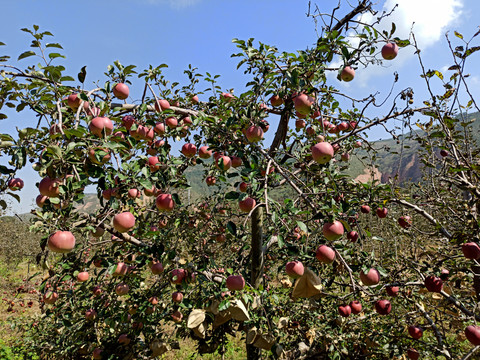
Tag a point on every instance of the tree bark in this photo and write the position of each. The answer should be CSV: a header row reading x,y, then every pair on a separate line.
x,y
256,275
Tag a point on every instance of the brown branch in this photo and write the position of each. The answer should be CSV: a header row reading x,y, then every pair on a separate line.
x,y
360,8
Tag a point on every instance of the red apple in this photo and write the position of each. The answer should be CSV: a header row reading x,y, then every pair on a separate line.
x,y
150,192
61,242
235,282
236,161
133,193
204,152
303,103
254,134
322,152
194,99
325,254
15,184
227,97
90,314
189,150
223,163
276,100
247,204
344,310
50,297
153,163
345,157
333,231
98,232
177,316
121,91
73,101
372,277
415,332
93,158
124,221
347,74
171,122
356,307
178,275
177,297
40,200
392,290
472,332
343,126
210,180
97,353
365,209
121,269
413,354
382,213
471,250
352,236
49,187
99,125
157,268
294,269
165,202
299,124
389,51
82,276
405,221
161,105
243,187
123,339
433,283
383,307
122,289
444,153
128,121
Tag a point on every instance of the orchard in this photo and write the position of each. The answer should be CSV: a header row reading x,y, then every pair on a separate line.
x,y
286,251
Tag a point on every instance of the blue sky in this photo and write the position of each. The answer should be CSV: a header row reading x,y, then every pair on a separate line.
x,y
199,32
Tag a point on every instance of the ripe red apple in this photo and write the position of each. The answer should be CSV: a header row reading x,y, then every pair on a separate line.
x,y
177,316
415,332
50,297
165,202
49,187
382,212
347,74
123,339
236,161
73,101
177,297
178,275
133,193
405,221
128,121
189,150
299,124
124,221
90,314
345,157
322,152
235,282
413,354
15,184
171,122
372,277
294,269
243,187
204,152
352,236
153,163
392,290
433,283
93,158
471,250
472,332
98,232
40,200
223,163
122,289
157,268
97,291
333,231
276,100
383,307
82,276
389,51
254,134
227,97
97,353
365,209
150,192
344,310
121,91
194,99
356,307
444,274
325,254
161,105
247,204
444,153
303,103
121,269
210,180
61,242
99,125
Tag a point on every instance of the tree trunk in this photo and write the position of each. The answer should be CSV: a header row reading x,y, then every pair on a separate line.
x,y
256,275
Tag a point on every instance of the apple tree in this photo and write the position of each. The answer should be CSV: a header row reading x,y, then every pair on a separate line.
x,y
281,246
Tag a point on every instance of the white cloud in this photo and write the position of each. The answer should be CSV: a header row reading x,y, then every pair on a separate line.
x,y
176,4
429,20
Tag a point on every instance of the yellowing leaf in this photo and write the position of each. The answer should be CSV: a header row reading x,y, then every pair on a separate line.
x,y
307,286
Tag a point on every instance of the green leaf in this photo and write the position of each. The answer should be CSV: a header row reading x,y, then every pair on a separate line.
x,y
3,204
82,74
55,45
302,226
457,34
55,55
66,78
2,43
15,196
224,305
232,228
26,54
232,195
